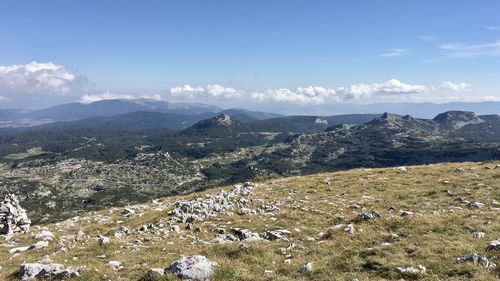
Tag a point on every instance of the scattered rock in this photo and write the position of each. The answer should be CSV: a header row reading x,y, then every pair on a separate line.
x,y
459,170
420,270
494,245
102,240
193,268
246,235
115,265
306,268
155,272
475,258
368,216
44,235
32,271
477,205
13,218
478,234
122,231
406,213
276,234
349,228
128,212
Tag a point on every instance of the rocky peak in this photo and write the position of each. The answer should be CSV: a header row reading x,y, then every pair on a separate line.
x,y
320,120
457,119
223,119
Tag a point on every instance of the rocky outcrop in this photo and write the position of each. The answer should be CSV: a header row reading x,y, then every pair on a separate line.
x,y
13,218
197,268
36,271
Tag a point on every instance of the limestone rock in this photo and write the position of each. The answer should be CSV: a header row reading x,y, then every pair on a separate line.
x,y
475,258
32,271
197,268
494,245
13,218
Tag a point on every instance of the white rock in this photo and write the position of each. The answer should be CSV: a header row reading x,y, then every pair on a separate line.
x,y
197,268
478,234
308,267
32,271
115,265
420,270
44,235
494,245
13,218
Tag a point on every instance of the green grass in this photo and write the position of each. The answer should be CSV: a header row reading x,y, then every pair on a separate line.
x,y
434,237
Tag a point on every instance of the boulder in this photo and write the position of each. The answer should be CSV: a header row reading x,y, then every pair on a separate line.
x,y
13,218
420,270
306,268
44,235
197,268
475,258
35,271
494,245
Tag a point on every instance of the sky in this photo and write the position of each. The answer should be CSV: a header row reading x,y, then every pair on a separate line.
x,y
267,53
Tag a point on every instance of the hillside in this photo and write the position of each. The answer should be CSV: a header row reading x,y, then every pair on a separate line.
x,y
363,224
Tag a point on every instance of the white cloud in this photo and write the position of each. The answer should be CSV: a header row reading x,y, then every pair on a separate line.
x,y
395,53
86,99
392,90
2,98
321,95
455,87
492,28
210,91
37,78
466,50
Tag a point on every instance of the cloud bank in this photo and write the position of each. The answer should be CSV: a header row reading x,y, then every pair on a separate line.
x,y
301,95
37,78
86,99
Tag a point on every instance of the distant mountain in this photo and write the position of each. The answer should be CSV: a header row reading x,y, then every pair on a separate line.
x,y
219,126
309,124
132,120
75,111
248,116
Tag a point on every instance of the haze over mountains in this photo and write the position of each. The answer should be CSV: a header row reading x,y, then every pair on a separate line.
x,y
144,113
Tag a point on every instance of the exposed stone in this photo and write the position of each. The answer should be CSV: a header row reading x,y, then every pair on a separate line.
x,y
278,234
44,235
459,170
246,235
368,216
115,265
494,245
102,240
128,212
478,234
122,231
308,267
406,213
32,271
13,218
349,228
477,205
197,268
420,270
475,258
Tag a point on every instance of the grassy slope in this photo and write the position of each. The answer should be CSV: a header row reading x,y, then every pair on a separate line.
x,y
434,239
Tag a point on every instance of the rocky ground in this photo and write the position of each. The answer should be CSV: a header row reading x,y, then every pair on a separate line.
x,y
431,222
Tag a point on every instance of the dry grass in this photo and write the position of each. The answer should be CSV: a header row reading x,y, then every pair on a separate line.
x,y
434,238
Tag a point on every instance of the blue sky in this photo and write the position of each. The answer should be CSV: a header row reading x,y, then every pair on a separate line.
x,y
267,51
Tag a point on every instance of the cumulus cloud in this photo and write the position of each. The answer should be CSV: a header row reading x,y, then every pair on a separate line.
x,y
210,91
300,95
455,87
37,78
395,53
86,99
466,50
